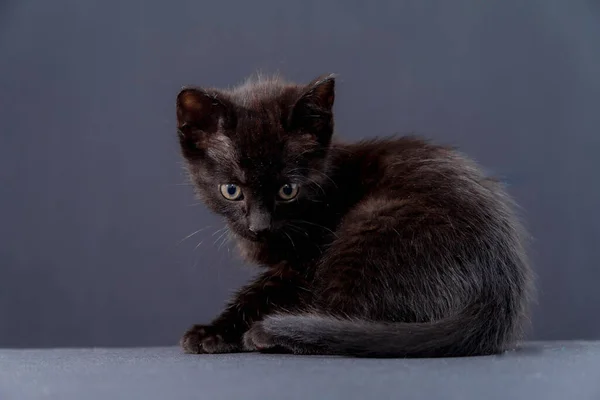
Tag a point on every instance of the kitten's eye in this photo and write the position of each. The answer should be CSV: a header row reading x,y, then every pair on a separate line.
x,y
231,192
288,191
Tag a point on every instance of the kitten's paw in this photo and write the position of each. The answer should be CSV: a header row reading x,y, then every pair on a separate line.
x,y
257,338
206,339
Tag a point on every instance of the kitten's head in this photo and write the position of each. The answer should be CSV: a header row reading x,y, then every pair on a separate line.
x,y
257,154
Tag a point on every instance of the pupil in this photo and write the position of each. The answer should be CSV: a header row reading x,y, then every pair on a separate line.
x,y
287,190
231,189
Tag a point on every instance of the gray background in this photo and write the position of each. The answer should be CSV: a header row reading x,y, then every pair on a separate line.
x,y
92,200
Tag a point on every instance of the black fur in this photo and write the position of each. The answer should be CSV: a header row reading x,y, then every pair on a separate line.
x,y
392,248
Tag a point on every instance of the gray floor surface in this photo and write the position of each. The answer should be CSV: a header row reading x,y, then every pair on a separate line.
x,y
548,371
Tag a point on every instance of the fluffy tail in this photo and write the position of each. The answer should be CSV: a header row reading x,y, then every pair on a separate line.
x,y
477,330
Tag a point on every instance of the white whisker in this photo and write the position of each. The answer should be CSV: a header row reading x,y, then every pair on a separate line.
x,y
291,240
225,240
192,234
198,245
221,236
219,230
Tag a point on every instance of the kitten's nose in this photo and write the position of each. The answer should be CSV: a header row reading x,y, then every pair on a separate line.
x,y
259,222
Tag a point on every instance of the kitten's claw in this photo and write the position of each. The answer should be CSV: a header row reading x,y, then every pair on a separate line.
x,y
201,339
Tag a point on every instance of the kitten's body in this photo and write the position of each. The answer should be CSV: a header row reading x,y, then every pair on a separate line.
x,y
393,247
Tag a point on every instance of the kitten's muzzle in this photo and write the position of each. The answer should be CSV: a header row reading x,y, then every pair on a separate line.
x,y
259,223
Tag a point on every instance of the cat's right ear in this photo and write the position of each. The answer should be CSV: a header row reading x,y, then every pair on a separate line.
x,y
199,113
313,112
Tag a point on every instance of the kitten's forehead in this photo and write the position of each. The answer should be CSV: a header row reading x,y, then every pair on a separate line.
x,y
264,150
252,143
260,155
252,158
221,149
260,90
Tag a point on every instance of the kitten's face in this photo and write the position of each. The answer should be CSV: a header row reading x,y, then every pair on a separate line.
x,y
256,154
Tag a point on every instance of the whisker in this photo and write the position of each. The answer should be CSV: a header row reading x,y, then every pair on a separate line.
x,y
220,236
297,229
317,225
311,241
316,171
219,230
317,184
192,234
198,245
226,238
291,241
323,174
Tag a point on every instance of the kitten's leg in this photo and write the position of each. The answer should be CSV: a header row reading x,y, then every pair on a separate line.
x,y
275,290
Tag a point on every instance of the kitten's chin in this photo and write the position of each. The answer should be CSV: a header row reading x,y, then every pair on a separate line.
x,y
248,236
254,239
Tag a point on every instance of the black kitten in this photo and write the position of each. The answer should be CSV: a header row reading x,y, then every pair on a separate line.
x,y
390,248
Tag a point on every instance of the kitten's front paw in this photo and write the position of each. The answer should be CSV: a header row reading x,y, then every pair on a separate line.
x,y
206,339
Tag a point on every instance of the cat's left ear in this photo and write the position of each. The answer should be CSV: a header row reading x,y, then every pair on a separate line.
x,y
198,109
200,113
313,111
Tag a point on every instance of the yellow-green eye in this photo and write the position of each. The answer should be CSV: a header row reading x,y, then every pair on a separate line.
x,y
230,191
288,191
